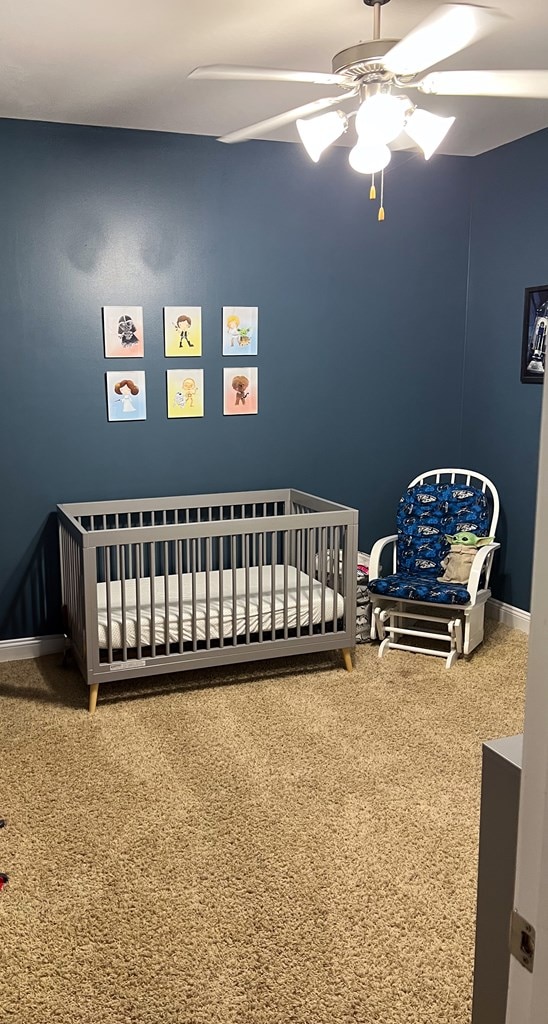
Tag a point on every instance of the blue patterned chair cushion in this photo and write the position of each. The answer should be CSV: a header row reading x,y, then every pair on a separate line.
x,y
426,513
420,588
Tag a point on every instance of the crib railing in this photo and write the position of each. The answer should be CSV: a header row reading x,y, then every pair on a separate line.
x,y
142,554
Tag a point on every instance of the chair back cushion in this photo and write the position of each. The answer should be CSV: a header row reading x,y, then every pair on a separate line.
x,y
426,513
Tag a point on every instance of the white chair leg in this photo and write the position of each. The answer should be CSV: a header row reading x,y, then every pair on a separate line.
x,y
474,622
379,616
385,646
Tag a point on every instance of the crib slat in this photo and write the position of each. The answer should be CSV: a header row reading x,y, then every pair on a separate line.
x,y
166,595
246,566
152,577
129,564
298,553
122,548
187,543
323,581
260,580
273,563
208,592
109,603
311,567
221,594
255,536
194,622
180,593
116,546
233,563
336,556
140,574
138,570
286,587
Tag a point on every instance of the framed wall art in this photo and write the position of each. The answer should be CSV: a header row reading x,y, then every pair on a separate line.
x,y
183,330
241,391
185,394
126,396
240,330
535,329
123,331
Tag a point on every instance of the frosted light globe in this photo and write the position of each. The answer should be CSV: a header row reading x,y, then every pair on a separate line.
x,y
381,118
369,159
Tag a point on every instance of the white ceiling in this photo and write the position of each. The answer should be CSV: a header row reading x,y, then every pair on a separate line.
x,y
124,62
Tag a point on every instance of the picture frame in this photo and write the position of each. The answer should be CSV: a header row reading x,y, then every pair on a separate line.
x,y
185,394
182,331
535,335
126,395
241,391
240,330
123,332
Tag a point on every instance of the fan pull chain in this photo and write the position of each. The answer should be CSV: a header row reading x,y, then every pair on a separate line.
x,y
381,207
372,190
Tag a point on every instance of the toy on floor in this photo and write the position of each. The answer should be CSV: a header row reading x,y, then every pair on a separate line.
x,y
458,562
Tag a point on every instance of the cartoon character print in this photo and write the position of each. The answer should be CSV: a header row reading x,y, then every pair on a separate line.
x,y
127,332
126,389
189,390
183,325
232,325
239,385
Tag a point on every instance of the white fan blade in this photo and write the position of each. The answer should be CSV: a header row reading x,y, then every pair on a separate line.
x,y
236,73
449,29
279,120
526,84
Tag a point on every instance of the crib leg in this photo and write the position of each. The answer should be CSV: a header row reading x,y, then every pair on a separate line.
x,y
93,691
347,655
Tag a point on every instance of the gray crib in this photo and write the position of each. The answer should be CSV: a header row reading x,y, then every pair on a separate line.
x,y
166,584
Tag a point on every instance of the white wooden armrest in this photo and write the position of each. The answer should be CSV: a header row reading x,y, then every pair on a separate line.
x,y
483,555
376,552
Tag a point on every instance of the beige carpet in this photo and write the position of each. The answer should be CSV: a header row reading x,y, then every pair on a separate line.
x,y
299,848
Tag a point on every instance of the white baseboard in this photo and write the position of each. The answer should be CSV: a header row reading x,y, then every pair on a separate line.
x,y
514,617
30,647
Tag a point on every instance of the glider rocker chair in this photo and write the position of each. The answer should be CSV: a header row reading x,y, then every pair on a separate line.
x,y
412,609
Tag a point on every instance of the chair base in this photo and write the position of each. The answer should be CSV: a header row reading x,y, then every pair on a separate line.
x,y
450,631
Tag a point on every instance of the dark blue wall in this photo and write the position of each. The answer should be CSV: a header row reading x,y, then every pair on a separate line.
x,y
501,416
359,322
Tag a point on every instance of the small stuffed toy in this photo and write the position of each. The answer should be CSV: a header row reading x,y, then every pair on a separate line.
x,y
458,562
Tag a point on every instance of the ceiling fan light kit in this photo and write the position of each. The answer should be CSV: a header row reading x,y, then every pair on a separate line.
x,y
317,133
382,116
369,159
427,130
379,73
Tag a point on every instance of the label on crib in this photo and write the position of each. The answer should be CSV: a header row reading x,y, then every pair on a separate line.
x,y
120,665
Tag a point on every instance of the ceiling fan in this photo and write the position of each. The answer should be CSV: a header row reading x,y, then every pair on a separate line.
x,y
379,72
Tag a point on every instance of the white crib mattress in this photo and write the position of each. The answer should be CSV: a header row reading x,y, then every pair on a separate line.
x,y
296,581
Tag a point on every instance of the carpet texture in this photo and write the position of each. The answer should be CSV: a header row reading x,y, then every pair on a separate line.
x,y
283,843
